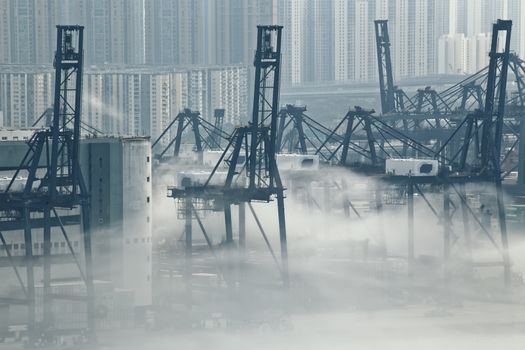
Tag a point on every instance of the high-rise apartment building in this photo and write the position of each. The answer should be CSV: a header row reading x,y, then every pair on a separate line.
x,y
452,52
204,32
347,40
25,93
362,36
114,29
470,25
323,40
294,40
128,101
341,42
142,101
423,40
17,23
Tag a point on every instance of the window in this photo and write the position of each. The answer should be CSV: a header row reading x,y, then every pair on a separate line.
x,y
15,246
147,179
147,199
62,244
425,169
147,159
307,163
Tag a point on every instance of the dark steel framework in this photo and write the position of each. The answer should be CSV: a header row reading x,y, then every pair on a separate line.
x,y
54,183
480,161
392,98
215,138
430,124
205,134
471,128
250,156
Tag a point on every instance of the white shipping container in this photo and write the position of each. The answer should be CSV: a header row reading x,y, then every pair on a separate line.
x,y
297,162
412,167
18,184
199,178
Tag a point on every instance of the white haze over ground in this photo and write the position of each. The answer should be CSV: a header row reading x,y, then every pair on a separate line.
x,y
473,326
334,302
340,300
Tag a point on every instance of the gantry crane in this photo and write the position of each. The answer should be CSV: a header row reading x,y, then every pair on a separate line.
x,y
205,134
54,183
250,159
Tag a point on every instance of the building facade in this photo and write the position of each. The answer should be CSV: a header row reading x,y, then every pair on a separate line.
x,y
25,93
117,172
128,100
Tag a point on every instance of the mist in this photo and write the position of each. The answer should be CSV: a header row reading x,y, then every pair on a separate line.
x,y
345,291
277,250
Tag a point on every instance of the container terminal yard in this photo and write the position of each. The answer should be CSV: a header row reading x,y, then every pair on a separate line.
x,y
396,228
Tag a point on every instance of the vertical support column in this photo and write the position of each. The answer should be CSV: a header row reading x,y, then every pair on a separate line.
x,y
228,223
241,255
384,64
282,238
410,208
379,208
405,144
371,141
446,229
47,269
465,218
188,250
348,135
503,229
521,153
346,200
30,276
90,288
242,226
178,136
195,124
282,123
466,142
300,131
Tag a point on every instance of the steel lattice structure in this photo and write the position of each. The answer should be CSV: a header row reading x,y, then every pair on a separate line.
x,y
250,159
205,135
54,183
